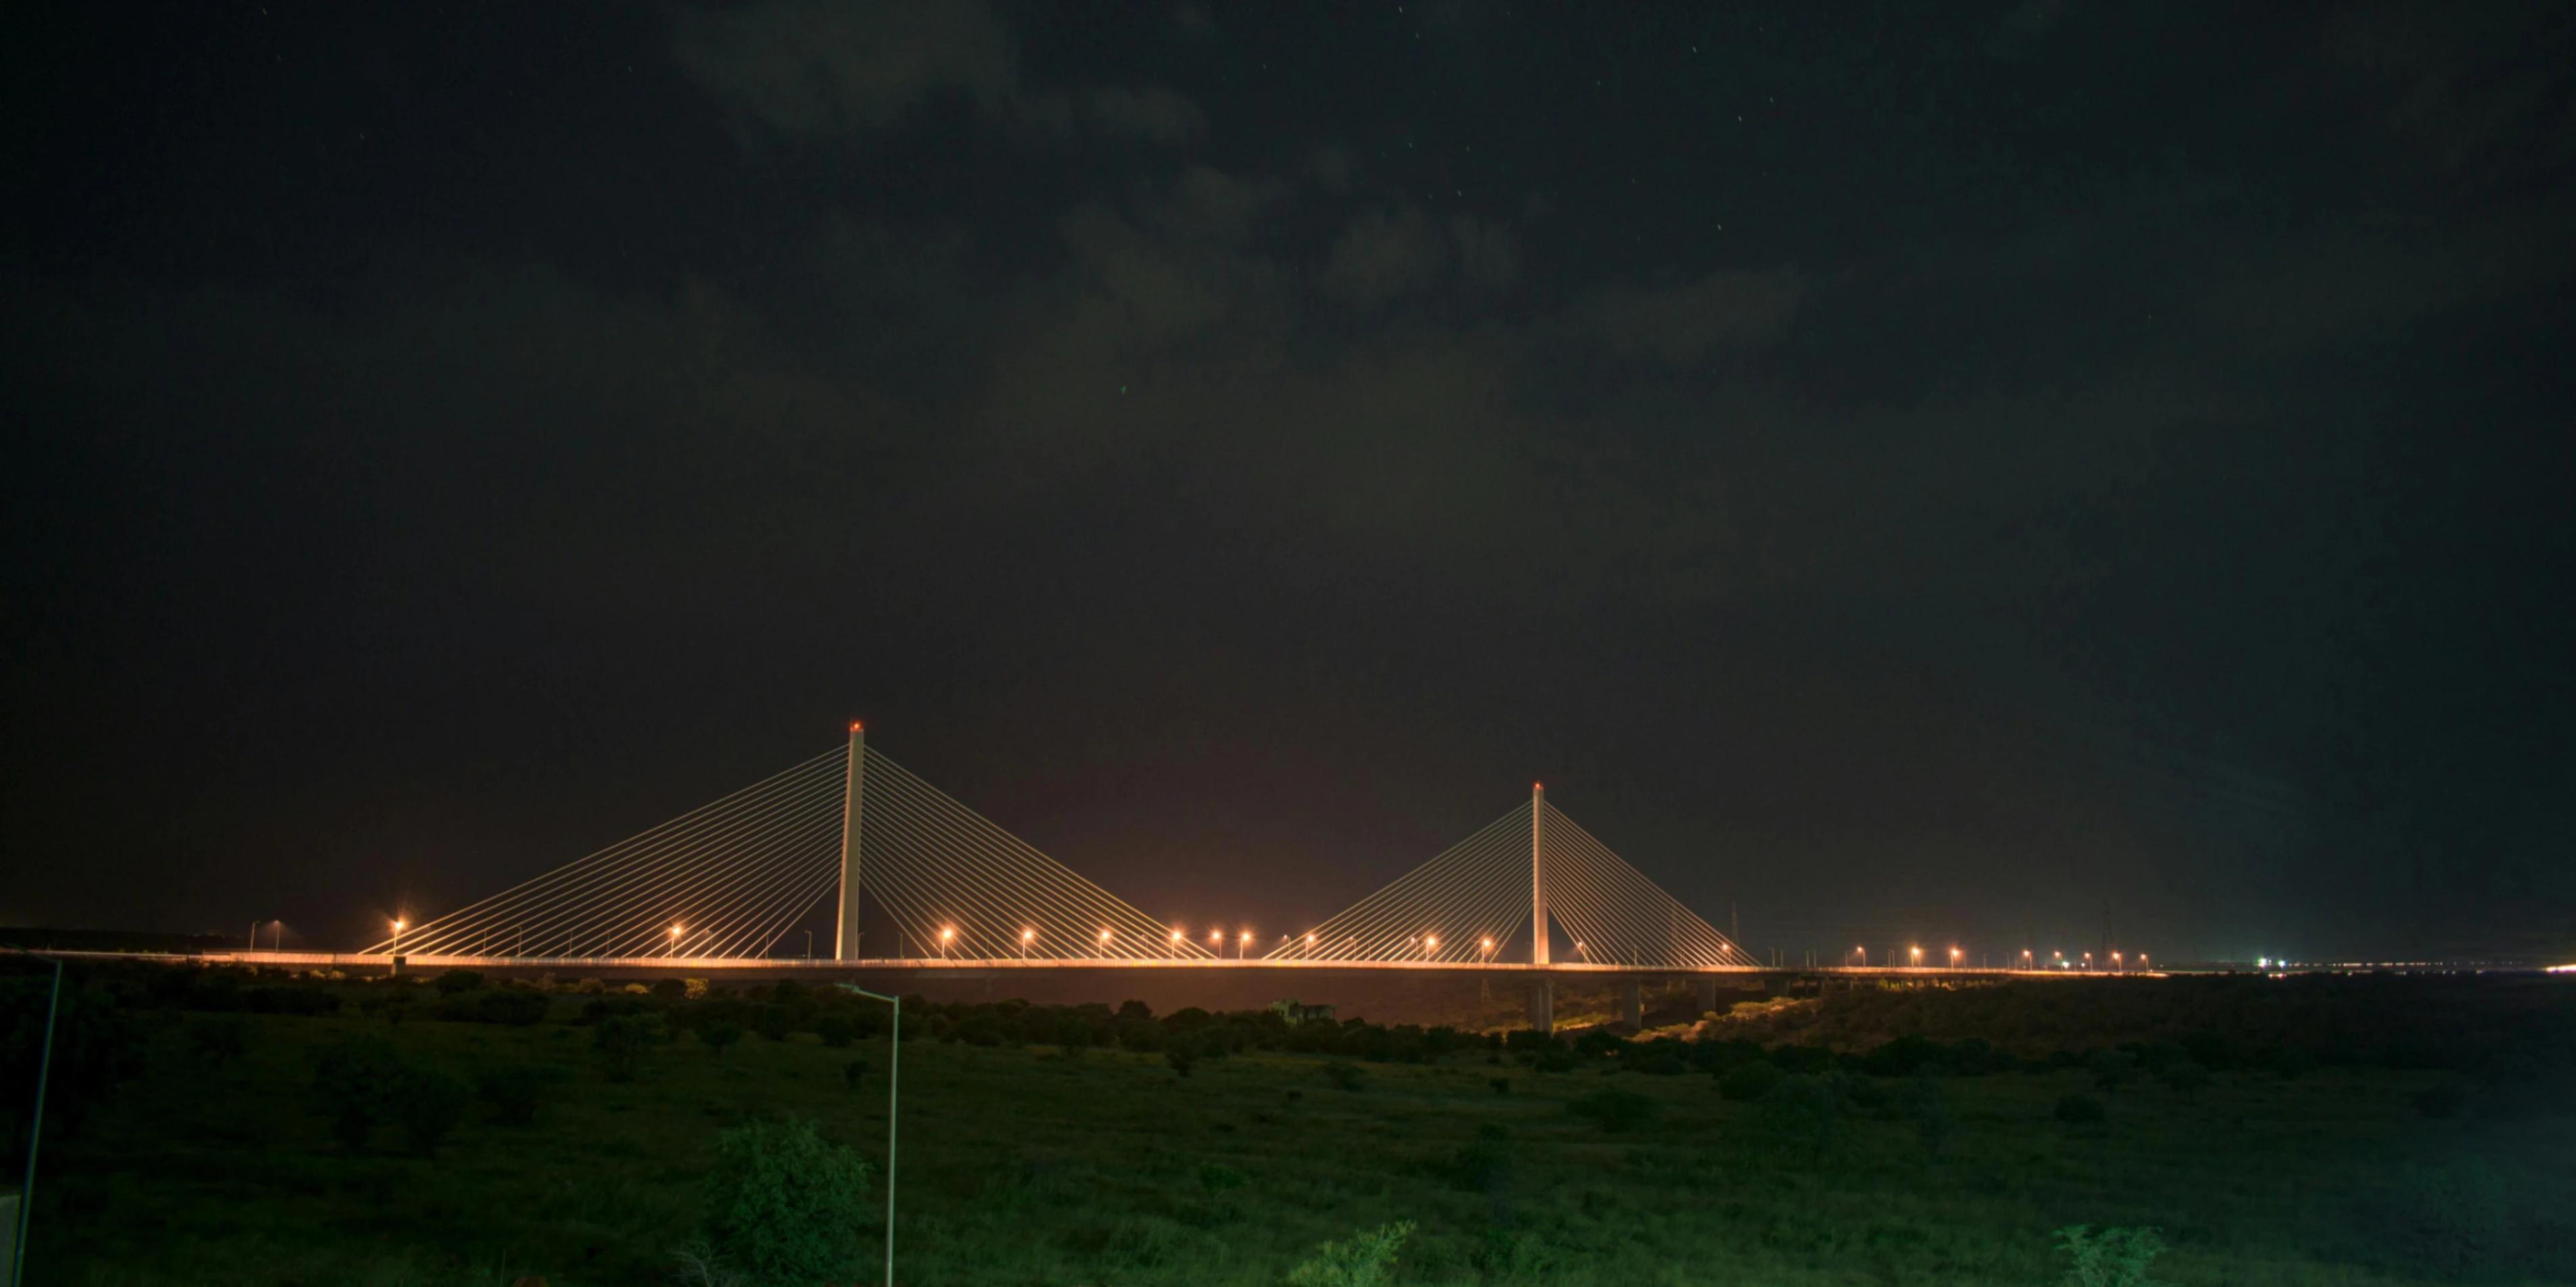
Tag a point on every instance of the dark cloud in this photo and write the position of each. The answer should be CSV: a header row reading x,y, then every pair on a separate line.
x,y
2049,489
1681,325
1155,115
811,66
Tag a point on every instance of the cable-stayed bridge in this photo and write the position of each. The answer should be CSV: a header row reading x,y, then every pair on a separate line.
x,y
730,881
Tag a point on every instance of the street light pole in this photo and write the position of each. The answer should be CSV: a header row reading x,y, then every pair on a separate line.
x,y
35,1133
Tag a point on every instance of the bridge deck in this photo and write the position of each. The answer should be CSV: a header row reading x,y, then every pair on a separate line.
x,y
934,965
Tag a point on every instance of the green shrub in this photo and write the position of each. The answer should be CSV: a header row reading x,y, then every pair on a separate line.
x,y
1802,1059
2111,1069
219,1039
427,1104
786,1204
621,1040
2113,1257
1484,1166
1345,1076
458,982
1614,1110
2444,1100
1807,1108
2449,1221
1366,1260
1216,1178
2081,1110
854,1072
1748,1082
2183,1077
515,1092
353,1084
1501,1085
1933,1123
515,1008
837,1029
717,1034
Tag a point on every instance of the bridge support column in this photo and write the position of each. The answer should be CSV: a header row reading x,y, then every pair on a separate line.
x,y
1542,1006
845,940
1707,996
1538,886
1632,1003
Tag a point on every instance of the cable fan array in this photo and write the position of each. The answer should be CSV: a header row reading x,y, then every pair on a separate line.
x,y
733,877
1471,904
958,886
1464,905
1617,914
725,879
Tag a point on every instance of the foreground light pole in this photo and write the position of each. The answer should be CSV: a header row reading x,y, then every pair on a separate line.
x,y
894,1102
35,1132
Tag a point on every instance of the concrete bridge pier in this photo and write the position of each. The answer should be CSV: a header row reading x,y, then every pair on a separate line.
x,y
1542,1006
1707,996
1632,1004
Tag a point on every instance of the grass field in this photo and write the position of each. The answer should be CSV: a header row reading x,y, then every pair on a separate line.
x,y
1026,1164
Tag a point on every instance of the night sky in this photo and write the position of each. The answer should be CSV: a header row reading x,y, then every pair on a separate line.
x,y
1937,471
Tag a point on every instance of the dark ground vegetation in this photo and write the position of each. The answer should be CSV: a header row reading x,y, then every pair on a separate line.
x,y
216,1126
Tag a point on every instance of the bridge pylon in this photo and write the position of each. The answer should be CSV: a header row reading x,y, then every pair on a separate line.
x,y
1538,884
845,937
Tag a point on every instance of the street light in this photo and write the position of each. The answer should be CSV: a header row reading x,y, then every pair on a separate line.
x,y
1863,953
1954,958
675,941
2088,960
1578,951
1176,942
946,933
1310,945
1242,944
1918,954
1430,944
2025,958
1485,949
2115,962
1216,938
1025,936
1104,942
396,954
